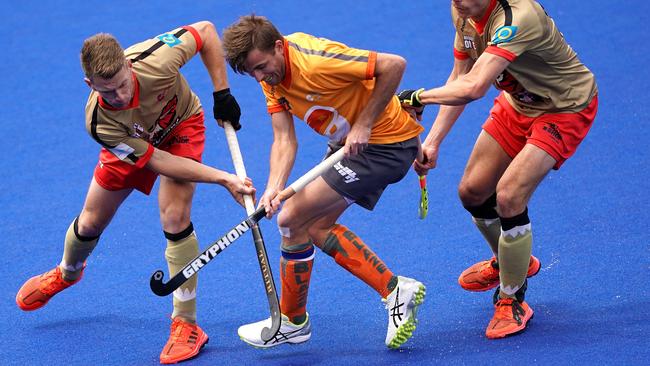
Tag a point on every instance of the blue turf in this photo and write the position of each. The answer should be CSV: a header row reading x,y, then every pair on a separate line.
x,y
590,219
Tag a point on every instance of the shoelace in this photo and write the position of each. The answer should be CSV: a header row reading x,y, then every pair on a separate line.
x,y
509,309
488,270
52,282
181,331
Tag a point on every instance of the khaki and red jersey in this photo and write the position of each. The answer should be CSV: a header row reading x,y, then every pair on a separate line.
x,y
162,98
327,84
545,74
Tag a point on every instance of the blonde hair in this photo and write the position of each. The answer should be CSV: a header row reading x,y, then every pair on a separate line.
x,y
248,33
102,55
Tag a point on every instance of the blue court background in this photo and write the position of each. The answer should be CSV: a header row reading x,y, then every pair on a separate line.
x,y
590,219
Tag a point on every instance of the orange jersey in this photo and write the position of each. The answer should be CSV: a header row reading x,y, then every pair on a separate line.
x,y
327,84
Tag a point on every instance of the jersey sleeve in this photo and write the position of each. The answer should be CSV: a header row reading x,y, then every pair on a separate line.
x,y
342,65
459,48
514,34
273,104
167,52
115,138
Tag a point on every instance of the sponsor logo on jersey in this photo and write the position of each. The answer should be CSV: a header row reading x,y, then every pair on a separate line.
x,y
468,41
169,39
312,97
504,34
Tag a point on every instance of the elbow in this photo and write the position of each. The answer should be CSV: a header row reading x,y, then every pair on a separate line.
x,y
476,91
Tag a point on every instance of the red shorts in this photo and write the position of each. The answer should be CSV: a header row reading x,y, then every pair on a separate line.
x,y
559,134
186,140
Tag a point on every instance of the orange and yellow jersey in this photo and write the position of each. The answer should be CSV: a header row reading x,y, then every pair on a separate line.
x,y
162,98
327,84
545,74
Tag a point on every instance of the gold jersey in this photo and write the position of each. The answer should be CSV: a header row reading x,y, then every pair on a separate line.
x,y
545,74
162,97
327,84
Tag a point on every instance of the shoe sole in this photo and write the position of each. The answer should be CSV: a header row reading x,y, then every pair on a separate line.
x,y
291,341
490,287
405,331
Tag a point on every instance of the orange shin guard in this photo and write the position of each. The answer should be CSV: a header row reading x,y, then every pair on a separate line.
x,y
351,253
295,275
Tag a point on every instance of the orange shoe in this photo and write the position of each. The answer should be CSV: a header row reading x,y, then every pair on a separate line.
x,y
185,341
510,317
484,275
38,290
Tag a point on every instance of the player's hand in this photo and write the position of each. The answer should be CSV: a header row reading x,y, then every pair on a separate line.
x,y
410,100
239,188
429,160
357,140
226,108
270,202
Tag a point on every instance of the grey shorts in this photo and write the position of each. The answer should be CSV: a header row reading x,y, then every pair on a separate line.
x,y
362,178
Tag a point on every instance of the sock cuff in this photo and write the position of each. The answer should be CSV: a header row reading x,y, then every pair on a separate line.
x,y
486,210
508,223
180,236
302,256
81,237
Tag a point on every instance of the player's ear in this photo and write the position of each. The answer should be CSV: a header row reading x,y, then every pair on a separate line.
x,y
279,46
88,82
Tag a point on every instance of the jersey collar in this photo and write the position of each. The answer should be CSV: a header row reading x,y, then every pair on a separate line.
x,y
479,24
286,82
135,101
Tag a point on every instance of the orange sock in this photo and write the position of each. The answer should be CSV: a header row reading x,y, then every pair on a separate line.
x,y
295,273
351,253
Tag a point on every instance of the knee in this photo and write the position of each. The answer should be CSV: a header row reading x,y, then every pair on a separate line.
x,y
509,203
289,222
89,225
470,195
174,218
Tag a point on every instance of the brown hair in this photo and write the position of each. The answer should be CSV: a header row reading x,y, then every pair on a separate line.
x,y
102,55
248,33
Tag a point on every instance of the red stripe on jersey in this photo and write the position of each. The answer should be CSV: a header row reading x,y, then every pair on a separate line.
x,y
459,55
144,159
197,37
372,62
501,52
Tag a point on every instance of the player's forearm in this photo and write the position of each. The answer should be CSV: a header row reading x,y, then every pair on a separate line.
x,y
445,120
388,74
456,93
212,55
283,155
184,169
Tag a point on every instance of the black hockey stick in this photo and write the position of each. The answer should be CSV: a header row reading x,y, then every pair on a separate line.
x,y
260,248
161,288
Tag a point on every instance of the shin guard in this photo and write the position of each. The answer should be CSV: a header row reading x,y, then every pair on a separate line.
x,y
351,253
295,273
182,248
515,247
76,250
487,221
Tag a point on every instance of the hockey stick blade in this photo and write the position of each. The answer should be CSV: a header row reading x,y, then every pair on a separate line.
x,y
161,288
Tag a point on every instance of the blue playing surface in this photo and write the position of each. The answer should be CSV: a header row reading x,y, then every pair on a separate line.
x,y
590,218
